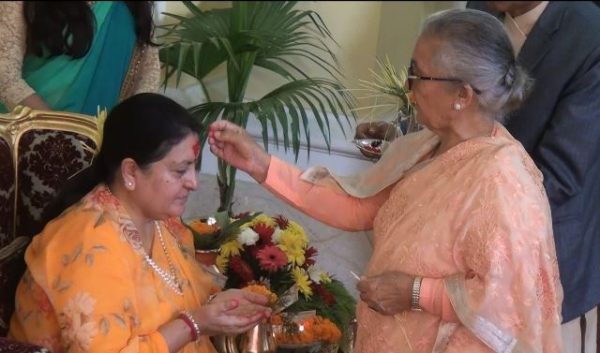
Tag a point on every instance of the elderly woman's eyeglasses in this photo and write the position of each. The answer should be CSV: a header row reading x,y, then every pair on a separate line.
x,y
412,77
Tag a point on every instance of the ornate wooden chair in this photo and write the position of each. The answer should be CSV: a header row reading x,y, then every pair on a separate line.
x,y
39,151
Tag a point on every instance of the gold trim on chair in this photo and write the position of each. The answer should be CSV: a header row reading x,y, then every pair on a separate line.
x,y
22,119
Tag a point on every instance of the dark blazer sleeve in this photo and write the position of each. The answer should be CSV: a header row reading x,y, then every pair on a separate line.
x,y
571,141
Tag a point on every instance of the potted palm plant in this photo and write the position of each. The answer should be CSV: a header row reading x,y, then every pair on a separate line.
x,y
273,36
388,91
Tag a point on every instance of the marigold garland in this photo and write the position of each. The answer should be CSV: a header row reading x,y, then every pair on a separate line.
x,y
309,330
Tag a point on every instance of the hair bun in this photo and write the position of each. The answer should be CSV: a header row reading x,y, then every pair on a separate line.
x,y
509,76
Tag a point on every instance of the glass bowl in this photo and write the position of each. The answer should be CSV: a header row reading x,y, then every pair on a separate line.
x,y
371,148
313,347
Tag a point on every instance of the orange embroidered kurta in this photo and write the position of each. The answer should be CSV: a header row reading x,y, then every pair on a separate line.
x,y
89,289
475,218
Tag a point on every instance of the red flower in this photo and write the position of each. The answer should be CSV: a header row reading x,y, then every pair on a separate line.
x,y
264,232
308,257
241,268
253,250
271,258
310,252
241,215
281,221
321,291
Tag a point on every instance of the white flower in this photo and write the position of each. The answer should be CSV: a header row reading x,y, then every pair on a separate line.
x,y
248,237
315,273
277,235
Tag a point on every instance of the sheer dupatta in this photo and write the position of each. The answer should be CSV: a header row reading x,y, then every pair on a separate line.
x,y
477,217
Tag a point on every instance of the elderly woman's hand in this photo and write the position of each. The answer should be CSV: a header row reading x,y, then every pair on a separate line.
x,y
232,143
388,293
232,311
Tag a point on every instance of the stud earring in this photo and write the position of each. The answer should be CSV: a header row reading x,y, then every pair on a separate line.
x,y
129,184
457,106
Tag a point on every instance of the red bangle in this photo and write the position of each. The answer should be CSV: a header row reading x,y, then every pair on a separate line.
x,y
189,320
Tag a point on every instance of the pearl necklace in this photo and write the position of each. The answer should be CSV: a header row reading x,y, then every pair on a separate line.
x,y
169,278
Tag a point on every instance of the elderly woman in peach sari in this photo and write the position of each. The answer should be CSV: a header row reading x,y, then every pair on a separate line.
x,y
463,255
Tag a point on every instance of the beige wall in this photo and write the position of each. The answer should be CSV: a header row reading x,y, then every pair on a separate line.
x,y
400,25
364,30
355,27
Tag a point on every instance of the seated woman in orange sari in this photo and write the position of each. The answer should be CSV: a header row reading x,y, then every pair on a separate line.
x,y
115,272
463,254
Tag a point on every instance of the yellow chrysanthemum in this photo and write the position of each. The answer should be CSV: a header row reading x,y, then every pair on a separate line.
x,y
222,263
301,279
291,245
295,229
291,240
295,256
325,278
231,248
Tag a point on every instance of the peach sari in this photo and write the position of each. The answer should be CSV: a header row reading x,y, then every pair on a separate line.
x,y
89,289
477,218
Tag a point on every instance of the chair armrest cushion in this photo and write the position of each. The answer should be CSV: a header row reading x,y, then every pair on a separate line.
x,y
7,345
12,267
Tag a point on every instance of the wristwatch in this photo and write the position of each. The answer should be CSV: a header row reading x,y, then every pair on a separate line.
x,y
416,294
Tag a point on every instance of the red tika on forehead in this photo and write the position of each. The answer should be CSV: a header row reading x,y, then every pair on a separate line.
x,y
196,149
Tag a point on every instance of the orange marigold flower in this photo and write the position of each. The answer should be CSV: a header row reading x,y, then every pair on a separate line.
x,y
203,228
262,290
311,330
276,319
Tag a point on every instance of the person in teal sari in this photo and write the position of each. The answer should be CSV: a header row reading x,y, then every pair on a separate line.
x,y
75,56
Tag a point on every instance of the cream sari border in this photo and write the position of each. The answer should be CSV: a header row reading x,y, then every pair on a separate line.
x,y
494,337
403,154
445,331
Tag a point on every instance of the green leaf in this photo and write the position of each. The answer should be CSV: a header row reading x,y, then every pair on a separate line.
x,y
222,219
271,35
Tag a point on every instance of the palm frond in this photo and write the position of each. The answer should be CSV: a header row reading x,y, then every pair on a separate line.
x,y
276,37
286,107
388,89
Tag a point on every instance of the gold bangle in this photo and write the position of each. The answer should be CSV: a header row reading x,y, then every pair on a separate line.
x,y
189,320
416,294
210,298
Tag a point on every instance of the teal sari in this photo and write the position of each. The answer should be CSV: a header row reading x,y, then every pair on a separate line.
x,y
94,81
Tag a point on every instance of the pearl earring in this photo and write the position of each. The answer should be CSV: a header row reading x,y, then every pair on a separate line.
x,y
129,184
457,106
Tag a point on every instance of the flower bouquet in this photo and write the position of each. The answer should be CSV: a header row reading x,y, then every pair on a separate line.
x,y
274,252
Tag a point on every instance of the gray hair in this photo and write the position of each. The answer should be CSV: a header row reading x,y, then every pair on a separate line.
x,y
475,48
